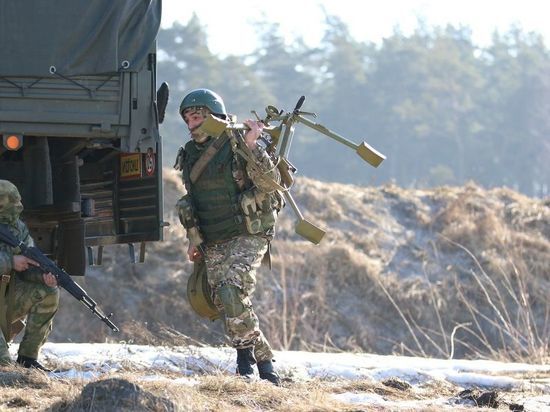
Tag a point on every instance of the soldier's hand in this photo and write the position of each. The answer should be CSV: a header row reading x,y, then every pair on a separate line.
x,y
50,280
194,254
22,263
255,131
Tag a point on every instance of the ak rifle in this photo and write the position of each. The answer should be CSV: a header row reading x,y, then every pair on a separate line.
x,y
64,280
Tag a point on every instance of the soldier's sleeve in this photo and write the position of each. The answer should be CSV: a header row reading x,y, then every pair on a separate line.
x,y
263,171
180,158
6,254
32,274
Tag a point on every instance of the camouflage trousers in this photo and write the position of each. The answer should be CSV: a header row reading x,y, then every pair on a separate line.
x,y
231,268
38,303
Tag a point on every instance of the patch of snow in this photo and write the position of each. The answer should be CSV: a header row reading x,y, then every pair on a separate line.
x,y
180,381
188,360
87,361
537,403
360,398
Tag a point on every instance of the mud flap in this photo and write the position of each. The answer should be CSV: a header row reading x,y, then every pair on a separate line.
x,y
71,253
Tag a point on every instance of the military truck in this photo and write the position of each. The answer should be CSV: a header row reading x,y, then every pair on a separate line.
x,y
79,123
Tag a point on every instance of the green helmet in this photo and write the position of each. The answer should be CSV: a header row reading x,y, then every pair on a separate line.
x,y
10,202
199,294
204,98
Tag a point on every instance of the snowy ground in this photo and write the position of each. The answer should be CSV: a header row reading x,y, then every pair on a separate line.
x,y
518,381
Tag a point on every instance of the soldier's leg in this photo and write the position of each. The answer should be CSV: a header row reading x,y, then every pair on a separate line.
x,y
231,270
39,304
262,349
241,323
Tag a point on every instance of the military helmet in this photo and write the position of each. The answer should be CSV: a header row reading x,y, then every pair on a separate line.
x,y
199,294
204,98
10,202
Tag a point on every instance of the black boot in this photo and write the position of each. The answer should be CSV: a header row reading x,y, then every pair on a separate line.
x,y
245,360
267,372
27,362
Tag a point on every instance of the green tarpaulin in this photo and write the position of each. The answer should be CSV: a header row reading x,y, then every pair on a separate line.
x,y
76,37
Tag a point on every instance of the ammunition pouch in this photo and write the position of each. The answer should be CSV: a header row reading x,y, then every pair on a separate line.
x,y
16,327
199,294
259,210
188,220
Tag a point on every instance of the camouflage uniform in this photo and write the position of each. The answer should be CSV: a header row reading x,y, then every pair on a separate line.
x,y
234,263
229,212
232,255
31,297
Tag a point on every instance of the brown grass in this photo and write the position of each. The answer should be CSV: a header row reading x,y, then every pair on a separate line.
x,y
399,271
129,391
135,391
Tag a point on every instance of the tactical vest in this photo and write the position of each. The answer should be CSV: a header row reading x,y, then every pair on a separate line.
x,y
215,194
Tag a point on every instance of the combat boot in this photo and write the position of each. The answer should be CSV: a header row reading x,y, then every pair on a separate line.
x,y
31,363
245,360
267,372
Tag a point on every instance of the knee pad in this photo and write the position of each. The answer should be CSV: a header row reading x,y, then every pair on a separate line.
x,y
230,296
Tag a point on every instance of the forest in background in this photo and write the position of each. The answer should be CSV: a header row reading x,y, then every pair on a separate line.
x,y
443,110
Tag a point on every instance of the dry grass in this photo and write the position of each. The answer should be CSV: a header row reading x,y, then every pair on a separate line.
x,y
128,390
450,272
24,390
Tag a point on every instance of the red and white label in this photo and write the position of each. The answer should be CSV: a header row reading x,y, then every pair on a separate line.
x,y
150,162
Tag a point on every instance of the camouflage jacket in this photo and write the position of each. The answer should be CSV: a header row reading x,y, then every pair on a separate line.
x,y
261,170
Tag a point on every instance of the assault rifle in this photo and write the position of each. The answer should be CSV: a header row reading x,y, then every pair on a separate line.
x,y
63,278
278,138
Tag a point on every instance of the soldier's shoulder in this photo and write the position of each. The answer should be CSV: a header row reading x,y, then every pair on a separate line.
x,y
21,226
23,230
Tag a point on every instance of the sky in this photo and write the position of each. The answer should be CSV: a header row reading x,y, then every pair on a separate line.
x,y
89,361
231,24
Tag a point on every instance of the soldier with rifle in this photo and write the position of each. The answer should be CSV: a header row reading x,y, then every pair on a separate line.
x,y
25,291
229,213
29,285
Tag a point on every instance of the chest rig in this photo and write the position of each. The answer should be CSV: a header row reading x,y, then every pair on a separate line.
x,y
222,199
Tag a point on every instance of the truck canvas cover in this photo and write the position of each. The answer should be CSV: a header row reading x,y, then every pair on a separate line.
x,y
76,37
